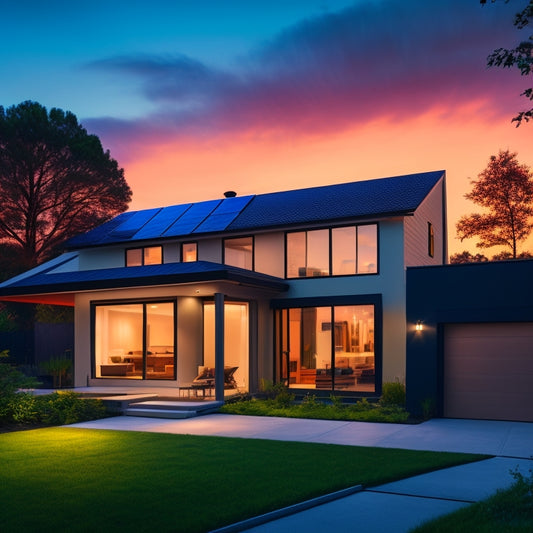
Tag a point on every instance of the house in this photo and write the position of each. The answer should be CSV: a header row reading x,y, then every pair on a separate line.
x,y
307,287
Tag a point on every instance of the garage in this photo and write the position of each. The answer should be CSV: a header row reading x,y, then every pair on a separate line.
x,y
488,371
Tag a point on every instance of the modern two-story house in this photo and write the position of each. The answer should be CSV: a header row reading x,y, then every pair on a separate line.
x,y
307,287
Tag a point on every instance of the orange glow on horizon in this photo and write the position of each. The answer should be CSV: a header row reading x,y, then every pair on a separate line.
x,y
187,170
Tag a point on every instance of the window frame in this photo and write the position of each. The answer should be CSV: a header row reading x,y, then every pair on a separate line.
x,y
145,302
182,256
280,337
142,249
225,240
330,247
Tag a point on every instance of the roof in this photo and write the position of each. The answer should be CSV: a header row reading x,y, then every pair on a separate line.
x,y
378,198
46,282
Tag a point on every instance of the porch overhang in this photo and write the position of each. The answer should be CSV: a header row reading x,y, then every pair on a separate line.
x,y
60,288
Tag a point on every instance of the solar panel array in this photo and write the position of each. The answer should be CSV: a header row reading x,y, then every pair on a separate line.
x,y
172,221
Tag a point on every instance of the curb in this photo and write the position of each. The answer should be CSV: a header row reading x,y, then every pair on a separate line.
x,y
286,511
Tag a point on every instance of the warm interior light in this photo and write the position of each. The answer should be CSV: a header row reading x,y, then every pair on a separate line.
x,y
419,326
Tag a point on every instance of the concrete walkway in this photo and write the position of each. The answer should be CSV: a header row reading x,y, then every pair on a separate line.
x,y
397,506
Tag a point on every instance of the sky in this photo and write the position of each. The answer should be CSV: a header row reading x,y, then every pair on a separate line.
x,y
197,97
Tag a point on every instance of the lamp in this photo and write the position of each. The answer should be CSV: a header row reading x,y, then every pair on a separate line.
x,y
419,326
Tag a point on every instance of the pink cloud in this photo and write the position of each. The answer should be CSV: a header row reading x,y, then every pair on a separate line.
x,y
392,59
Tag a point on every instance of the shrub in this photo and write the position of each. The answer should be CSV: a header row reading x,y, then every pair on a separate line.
x,y
393,394
11,379
51,409
57,368
68,408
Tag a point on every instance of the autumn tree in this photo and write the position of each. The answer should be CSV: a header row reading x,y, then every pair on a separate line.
x,y
520,57
505,190
55,181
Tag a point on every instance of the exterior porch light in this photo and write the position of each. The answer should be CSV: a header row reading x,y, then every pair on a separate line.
x,y
419,326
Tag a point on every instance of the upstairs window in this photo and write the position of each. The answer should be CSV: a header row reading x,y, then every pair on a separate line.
x,y
308,254
343,251
431,240
149,255
239,252
189,252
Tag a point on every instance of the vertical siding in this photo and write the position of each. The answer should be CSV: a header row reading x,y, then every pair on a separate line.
x,y
416,230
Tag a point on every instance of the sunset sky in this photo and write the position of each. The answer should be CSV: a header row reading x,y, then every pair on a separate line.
x,y
194,98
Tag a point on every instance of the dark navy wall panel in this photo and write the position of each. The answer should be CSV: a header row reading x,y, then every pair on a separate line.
x,y
477,292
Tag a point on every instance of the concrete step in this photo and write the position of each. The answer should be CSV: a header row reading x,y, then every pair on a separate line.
x,y
171,409
160,413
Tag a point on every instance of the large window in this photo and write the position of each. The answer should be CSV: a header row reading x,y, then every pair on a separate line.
x,y
353,250
150,255
329,348
135,340
239,252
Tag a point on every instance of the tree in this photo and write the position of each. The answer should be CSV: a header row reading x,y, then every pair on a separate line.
x,y
505,189
55,181
467,257
520,57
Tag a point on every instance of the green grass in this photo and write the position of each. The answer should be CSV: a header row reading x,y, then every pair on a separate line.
x,y
73,479
509,511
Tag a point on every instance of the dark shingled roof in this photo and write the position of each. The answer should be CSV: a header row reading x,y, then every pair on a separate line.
x,y
370,199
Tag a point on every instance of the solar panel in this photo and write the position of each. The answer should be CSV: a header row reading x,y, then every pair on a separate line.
x,y
97,234
131,226
161,221
224,214
191,219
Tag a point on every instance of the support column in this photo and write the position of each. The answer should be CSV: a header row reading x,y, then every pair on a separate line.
x,y
219,347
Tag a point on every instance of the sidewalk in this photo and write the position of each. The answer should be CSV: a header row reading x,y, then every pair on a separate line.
x,y
397,506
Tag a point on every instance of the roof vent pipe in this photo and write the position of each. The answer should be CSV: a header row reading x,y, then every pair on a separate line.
x,y
230,194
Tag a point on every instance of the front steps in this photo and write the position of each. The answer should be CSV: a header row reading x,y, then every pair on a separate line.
x,y
171,409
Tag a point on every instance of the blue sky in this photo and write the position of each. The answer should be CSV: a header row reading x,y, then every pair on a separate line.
x,y
197,97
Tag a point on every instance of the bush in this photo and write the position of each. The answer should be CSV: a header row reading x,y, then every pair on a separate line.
x,y
11,379
51,409
393,394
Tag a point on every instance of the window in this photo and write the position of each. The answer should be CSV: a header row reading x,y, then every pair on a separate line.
x,y
150,255
135,340
239,252
354,250
308,254
189,252
327,347
431,240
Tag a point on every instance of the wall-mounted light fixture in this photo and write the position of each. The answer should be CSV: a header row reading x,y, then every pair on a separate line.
x,y
419,326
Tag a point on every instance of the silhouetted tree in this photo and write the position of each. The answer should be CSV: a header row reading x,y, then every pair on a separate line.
x,y
467,257
505,189
520,57
55,181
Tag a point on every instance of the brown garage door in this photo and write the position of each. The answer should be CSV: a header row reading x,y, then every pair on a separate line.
x,y
488,371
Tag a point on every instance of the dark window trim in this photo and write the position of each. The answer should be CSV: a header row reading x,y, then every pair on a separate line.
x,y
142,248
235,238
181,250
330,243
431,240
324,301
129,301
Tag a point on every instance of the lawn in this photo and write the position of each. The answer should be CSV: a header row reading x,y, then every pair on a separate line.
x,y
73,479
